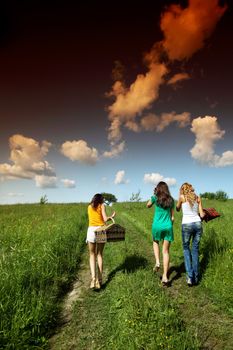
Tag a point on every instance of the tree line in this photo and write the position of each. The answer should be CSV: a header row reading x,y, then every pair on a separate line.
x,y
219,195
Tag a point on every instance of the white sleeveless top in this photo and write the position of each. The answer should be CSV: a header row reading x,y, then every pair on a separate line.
x,y
190,214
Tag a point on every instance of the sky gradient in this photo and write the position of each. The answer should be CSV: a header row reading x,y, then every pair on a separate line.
x,y
101,99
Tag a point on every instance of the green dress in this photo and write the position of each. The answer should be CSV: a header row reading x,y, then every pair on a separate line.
x,y
162,228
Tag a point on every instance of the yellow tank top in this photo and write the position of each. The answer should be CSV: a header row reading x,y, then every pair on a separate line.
x,y
95,216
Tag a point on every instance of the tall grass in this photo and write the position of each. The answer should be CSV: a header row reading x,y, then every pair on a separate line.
x,y
39,252
216,248
217,256
40,248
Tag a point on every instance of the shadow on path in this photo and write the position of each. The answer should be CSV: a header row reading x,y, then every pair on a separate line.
x,y
179,270
130,265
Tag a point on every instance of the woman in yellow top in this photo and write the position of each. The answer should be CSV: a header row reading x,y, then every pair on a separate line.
x,y
97,217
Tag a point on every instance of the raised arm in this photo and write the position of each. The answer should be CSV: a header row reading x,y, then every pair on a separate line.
x,y
105,217
149,204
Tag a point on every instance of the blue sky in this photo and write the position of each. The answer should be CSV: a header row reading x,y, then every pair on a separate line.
x,y
115,102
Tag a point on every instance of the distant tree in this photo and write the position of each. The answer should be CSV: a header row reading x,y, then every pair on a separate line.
x,y
43,199
135,197
208,195
109,198
221,195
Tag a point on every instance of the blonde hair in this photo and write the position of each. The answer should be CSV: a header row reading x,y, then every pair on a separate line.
x,y
188,192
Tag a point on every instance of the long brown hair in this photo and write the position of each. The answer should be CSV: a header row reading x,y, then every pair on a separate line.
x,y
187,191
96,200
164,198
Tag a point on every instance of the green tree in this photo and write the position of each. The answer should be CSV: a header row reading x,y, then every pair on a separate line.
x,y
43,199
221,195
208,195
108,197
135,197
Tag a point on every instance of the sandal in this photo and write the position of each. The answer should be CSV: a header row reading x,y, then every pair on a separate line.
x,y
156,268
97,284
92,285
100,279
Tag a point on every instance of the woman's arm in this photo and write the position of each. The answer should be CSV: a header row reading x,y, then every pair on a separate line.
x,y
172,214
179,203
105,217
200,208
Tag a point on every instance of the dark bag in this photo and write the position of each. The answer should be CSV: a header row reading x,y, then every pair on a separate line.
x,y
210,214
110,233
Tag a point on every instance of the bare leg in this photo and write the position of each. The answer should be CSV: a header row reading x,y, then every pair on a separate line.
x,y
92,260
156,253
100,249
166,246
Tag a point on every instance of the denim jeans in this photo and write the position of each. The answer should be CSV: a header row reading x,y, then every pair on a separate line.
x,y
191,255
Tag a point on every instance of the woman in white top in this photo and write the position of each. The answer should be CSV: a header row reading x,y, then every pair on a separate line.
x,y
191,230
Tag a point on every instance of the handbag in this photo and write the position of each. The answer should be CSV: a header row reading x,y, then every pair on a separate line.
x,y
210,214
110,233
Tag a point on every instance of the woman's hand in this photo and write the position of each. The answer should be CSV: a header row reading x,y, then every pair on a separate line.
x,y
149,204
113,215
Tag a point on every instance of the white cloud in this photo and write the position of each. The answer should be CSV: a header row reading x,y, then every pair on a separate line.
x,y
27,156
155,178
79,151
115,150
207,132
120,178
44,181
14,194
68,183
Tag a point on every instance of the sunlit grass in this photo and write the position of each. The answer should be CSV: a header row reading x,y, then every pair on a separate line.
x,y
40,250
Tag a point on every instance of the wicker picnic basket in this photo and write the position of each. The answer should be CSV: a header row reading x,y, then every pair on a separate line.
x,y
210,214
110,233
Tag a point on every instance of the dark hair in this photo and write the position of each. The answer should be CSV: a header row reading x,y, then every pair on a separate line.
x,y
96,200
164,198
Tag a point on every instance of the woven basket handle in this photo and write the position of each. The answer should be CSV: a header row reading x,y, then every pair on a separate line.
x,y
113,221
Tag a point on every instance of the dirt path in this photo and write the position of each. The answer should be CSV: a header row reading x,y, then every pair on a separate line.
x,y
77,293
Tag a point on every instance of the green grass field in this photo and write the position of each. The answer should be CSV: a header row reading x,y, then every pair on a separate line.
x,y
41,247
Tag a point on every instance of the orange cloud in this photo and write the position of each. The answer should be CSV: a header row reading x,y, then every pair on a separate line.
x,y
177,78
140,95
185,30
132,101
153,122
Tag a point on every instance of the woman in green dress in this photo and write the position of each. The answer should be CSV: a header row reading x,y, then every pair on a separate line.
x,y
162,226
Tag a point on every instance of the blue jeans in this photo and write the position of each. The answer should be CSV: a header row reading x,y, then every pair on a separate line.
x,y
191,256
